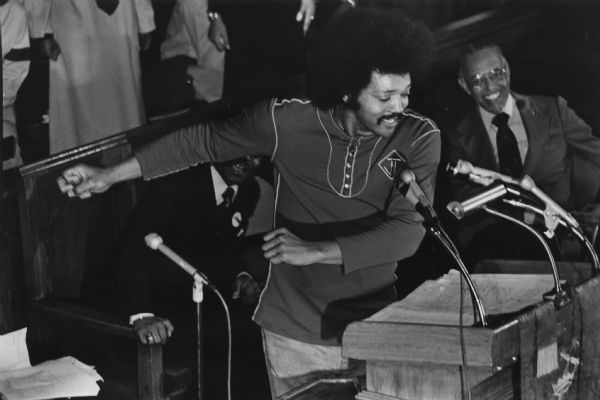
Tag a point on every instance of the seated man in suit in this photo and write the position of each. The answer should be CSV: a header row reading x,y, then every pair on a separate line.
x,y
202,214
519,135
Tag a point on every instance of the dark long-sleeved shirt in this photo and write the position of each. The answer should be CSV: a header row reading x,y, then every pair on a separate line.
x,y
329,186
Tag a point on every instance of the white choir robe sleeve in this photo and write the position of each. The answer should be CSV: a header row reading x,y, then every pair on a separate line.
x,y
38,17
145,15
13,75
194,15
14,71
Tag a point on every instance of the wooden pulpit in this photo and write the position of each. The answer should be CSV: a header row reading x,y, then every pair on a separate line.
x,y
423,360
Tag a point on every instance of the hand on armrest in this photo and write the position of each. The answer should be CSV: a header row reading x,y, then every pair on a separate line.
x,y
153,330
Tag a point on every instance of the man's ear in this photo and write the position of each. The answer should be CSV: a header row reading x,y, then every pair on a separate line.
x,y
507,67
464,86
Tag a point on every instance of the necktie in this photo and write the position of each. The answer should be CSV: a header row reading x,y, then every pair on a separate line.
x,y
108,6
228,197
224,209
509,158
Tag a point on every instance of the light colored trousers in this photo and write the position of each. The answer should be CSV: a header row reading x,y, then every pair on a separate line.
x,y
291,363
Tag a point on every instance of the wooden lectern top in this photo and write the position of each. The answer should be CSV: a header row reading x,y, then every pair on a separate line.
x,y
425,326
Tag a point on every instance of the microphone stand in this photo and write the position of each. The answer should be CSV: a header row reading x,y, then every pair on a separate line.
x,y
432,224
198,297
550,232
595,262
155,242
434,227
555,212
557,294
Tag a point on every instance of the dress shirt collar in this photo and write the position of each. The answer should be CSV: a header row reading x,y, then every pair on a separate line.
x,y
219,185
487,116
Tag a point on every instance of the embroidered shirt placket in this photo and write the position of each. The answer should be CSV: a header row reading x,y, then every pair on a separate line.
x,y
347,166
350,161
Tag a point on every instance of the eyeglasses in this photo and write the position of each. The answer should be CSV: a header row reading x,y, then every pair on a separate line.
x,y
496,75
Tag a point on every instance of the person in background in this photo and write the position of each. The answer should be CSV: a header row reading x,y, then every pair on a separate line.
x,y
15,66
95,76
264,45
517,135
187,41
341,222
203,214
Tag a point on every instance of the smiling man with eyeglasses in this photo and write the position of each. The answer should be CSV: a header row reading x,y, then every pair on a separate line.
x,y
520,135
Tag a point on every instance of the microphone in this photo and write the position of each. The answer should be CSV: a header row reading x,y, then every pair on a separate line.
x,y
414,194
528,184
478,175
155,242
494,192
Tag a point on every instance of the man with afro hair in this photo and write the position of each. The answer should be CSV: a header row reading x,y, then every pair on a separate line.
x,y
341,224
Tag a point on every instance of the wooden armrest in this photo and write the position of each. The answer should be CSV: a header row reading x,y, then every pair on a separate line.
x,y
154,382
84,316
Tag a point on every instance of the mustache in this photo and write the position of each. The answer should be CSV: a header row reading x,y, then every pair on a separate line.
x,y
395,115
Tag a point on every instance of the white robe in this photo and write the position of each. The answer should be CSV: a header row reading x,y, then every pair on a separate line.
x,y
95,85
187,34
13,20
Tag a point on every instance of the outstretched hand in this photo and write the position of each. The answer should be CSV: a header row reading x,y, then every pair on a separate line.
x,y
153,330
83,180
282,246
306,14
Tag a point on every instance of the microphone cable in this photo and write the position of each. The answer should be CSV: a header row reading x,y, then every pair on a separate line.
x,y
463,352
229,335
433,226
155,242
443,237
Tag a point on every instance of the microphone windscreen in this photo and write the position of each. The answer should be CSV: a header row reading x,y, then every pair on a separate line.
x,y
407,176
153,241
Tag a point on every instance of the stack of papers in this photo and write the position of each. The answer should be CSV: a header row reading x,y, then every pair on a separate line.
x,y
65,377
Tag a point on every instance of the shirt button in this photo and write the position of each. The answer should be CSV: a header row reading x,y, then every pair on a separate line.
x,y
348,165
347,176
346,186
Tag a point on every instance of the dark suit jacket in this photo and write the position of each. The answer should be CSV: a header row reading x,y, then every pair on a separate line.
x,y
181,209
563,156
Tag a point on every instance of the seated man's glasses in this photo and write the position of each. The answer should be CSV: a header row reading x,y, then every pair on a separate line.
x,y
495,76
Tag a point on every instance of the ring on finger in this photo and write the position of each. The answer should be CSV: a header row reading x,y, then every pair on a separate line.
x,y
149,338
